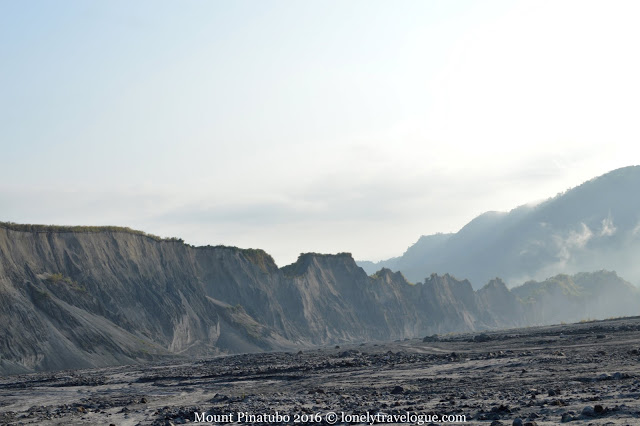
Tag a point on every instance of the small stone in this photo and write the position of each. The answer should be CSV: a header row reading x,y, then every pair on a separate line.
x,y
501,409
598,409
517,422
481,338
397,390
588,411
566,417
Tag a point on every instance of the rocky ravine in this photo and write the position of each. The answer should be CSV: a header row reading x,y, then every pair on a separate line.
x,y
71,298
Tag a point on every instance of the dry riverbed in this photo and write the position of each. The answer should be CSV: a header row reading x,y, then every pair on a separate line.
x,y
587,373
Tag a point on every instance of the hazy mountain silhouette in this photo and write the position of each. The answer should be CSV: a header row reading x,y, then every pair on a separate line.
x,y
572,298
591,227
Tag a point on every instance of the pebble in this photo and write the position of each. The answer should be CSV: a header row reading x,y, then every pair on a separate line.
x,y
397,390
588,411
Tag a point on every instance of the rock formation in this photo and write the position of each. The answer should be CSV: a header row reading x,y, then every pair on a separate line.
x,y
83,297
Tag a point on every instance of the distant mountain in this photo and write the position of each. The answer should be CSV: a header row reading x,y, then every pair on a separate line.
x,y
593,226
572,298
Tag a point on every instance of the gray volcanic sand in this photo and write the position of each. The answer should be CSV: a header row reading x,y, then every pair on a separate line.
x,y
588,372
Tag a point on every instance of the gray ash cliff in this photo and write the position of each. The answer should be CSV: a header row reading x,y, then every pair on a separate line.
x,y
73,299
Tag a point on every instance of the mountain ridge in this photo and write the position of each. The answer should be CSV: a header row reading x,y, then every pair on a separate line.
x,y
595,225
74,296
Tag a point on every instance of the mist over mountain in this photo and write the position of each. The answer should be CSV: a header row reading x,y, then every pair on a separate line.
x,y
590,227
572,298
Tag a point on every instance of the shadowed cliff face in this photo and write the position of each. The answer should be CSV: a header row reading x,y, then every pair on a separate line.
x,y
84,299
81,299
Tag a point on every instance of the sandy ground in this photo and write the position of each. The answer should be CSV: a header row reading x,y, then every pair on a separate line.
x,y
587,373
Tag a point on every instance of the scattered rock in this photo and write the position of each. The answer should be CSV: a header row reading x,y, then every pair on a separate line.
x,y
495,396
620,376
482,338
349,353
501,409
588,411
397,390
566,417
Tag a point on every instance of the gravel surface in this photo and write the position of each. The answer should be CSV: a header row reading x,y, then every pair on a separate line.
x,y
586,373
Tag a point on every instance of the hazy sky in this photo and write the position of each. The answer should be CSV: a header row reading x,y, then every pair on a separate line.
x,y
298,126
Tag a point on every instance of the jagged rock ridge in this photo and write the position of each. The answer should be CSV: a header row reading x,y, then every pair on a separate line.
x,y
72,299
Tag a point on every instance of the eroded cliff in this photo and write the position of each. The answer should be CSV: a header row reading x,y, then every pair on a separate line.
x,y
76,297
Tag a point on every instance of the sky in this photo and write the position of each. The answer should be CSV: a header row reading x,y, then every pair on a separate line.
x,y
317,126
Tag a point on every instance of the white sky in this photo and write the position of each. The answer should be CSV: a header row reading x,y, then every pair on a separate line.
x,y
320,126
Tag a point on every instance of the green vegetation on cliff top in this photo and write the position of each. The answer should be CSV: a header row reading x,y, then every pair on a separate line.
x,y
258,256
81,229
